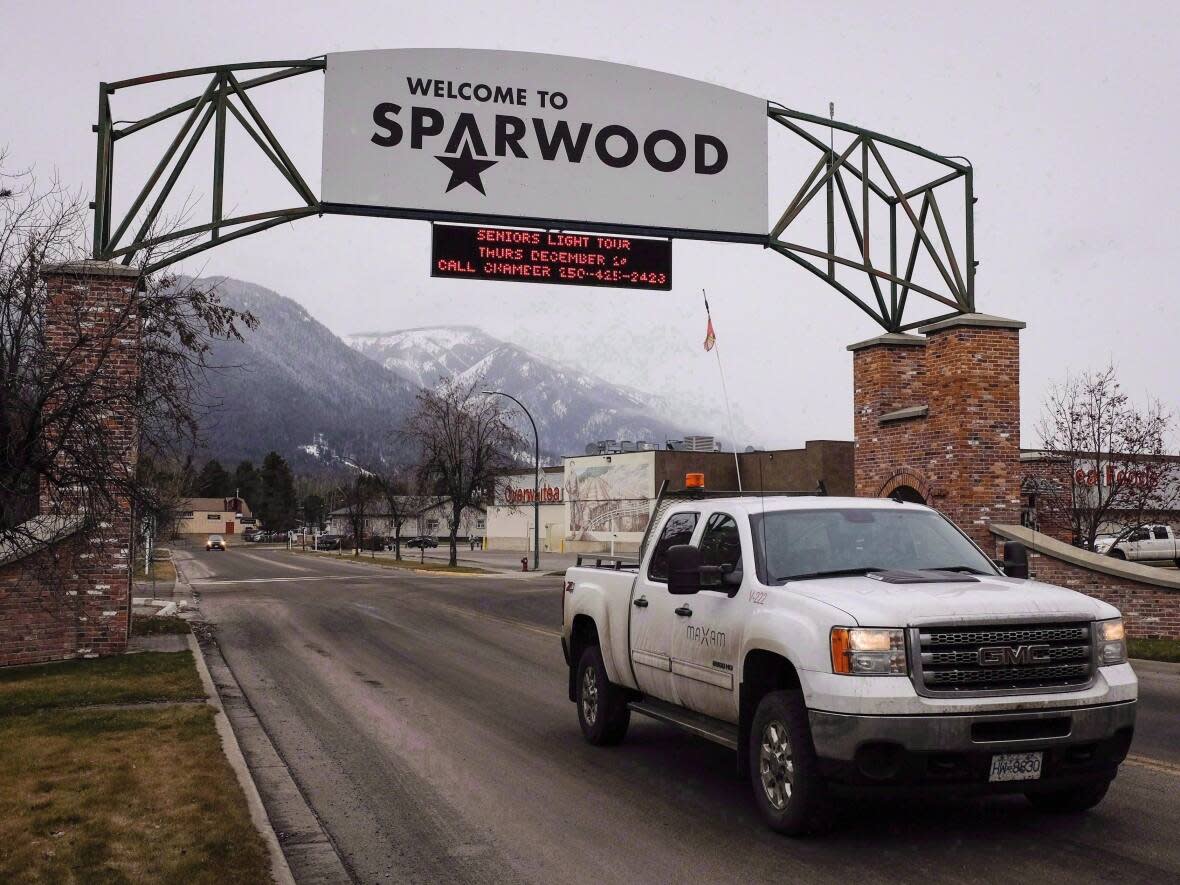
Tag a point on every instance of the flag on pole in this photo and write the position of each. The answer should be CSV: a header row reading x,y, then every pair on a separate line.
x,y
710,335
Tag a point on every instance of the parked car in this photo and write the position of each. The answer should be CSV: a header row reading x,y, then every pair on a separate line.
x,y
328,542
845,645
1152,542
422,542
215,542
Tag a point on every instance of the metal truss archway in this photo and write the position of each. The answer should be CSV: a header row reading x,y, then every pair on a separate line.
x,y
885,285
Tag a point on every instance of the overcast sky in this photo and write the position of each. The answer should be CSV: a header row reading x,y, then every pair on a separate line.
x,y
1066,110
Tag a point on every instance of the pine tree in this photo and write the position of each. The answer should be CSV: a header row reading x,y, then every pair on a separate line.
x,y
277,503
213,481
248,486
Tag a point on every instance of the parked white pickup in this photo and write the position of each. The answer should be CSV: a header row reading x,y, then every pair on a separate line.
x,y
1152,542
844,644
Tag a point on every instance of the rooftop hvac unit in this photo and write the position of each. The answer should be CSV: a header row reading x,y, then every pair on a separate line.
x,y
627,446
611,446
700,444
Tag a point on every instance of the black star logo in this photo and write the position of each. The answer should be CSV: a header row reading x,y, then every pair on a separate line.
x,y
465,169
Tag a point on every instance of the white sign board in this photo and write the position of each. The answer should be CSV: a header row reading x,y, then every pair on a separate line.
x,y
520,135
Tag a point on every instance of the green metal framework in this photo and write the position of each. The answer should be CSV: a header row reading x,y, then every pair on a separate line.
x,y
227,93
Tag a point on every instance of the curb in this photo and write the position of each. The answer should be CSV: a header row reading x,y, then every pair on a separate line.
x,y
233,752
306,845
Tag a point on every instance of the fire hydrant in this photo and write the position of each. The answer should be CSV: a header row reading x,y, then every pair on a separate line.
x,y
524,563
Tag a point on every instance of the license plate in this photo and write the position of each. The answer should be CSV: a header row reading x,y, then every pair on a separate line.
x,y
1015,767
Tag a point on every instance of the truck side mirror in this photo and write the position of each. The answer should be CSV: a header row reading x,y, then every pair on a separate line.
x,y
684,570
1015,559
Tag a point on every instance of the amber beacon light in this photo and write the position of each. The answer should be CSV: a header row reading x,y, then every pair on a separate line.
x,y
694,480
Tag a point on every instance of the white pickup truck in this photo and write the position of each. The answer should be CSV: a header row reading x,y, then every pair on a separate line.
x,y
1144,544
850,644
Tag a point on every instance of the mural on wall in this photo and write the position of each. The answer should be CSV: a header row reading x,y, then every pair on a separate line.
x,y
607,499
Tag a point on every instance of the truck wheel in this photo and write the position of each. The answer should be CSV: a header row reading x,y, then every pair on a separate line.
x,y
602,707
1070,801
1118,554
784,771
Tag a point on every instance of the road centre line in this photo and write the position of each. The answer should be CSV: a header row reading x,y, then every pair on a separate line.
x,y
1154,765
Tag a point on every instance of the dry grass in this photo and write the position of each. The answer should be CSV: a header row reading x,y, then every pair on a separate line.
x,y
122,796
124,679
161,570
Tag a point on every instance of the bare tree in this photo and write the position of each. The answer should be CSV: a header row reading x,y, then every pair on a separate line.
x,y
400,503
1111,451
465,441
359,498
57,436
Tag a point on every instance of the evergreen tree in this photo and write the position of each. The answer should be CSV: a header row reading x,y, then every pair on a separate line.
x,y
277,503
314,511
248,486
212,481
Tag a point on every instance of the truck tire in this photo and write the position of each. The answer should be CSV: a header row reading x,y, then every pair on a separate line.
x,y
1073,800
784,770
1118,554
602,706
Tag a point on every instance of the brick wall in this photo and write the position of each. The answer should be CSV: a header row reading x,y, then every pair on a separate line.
x,y
69,599
72,598
959,447
1148,598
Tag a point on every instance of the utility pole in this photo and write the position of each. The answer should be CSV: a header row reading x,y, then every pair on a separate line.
x,y
536,479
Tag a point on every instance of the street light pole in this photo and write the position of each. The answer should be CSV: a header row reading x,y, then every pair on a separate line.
x,y
536,479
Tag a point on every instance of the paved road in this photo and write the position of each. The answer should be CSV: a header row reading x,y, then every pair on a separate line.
x,y
425,718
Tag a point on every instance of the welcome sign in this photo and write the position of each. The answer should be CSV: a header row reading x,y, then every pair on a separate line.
x,y
518,135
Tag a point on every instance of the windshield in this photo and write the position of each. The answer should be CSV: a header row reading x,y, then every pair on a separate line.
x,y
798,544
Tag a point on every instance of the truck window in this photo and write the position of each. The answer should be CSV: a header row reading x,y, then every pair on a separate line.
x,y
1138,535
677,530
720,545
1161,533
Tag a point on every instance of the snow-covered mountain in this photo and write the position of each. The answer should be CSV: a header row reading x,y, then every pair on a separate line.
x,y
571,408
293,386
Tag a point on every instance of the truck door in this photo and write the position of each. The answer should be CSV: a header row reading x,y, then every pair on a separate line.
x,y
706,642
1136,542
652,612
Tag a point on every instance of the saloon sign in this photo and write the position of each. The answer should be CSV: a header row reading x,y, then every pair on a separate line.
x,y
486,134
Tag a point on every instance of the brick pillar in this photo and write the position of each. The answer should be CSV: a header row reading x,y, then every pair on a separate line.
x,y
888,376
83,296
973,372
941,414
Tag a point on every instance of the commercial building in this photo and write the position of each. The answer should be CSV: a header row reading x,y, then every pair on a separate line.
x,y
213,516
431,517
603,501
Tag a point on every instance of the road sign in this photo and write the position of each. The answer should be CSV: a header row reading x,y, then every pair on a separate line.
x,y
493,135
537,256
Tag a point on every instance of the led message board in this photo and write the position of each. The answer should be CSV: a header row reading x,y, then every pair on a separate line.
x,y
536,256
542,141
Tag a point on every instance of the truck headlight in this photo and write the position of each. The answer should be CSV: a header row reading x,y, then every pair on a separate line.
x,y
868,651
1112,642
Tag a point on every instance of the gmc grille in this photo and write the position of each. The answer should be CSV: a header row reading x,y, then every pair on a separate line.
x,y
949,660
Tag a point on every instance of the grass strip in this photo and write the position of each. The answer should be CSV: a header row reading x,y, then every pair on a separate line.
x,y
123,796
123,679
154,625
1155,649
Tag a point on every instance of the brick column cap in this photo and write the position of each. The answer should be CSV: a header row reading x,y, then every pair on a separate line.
x,y
976,320
891,339
90,267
